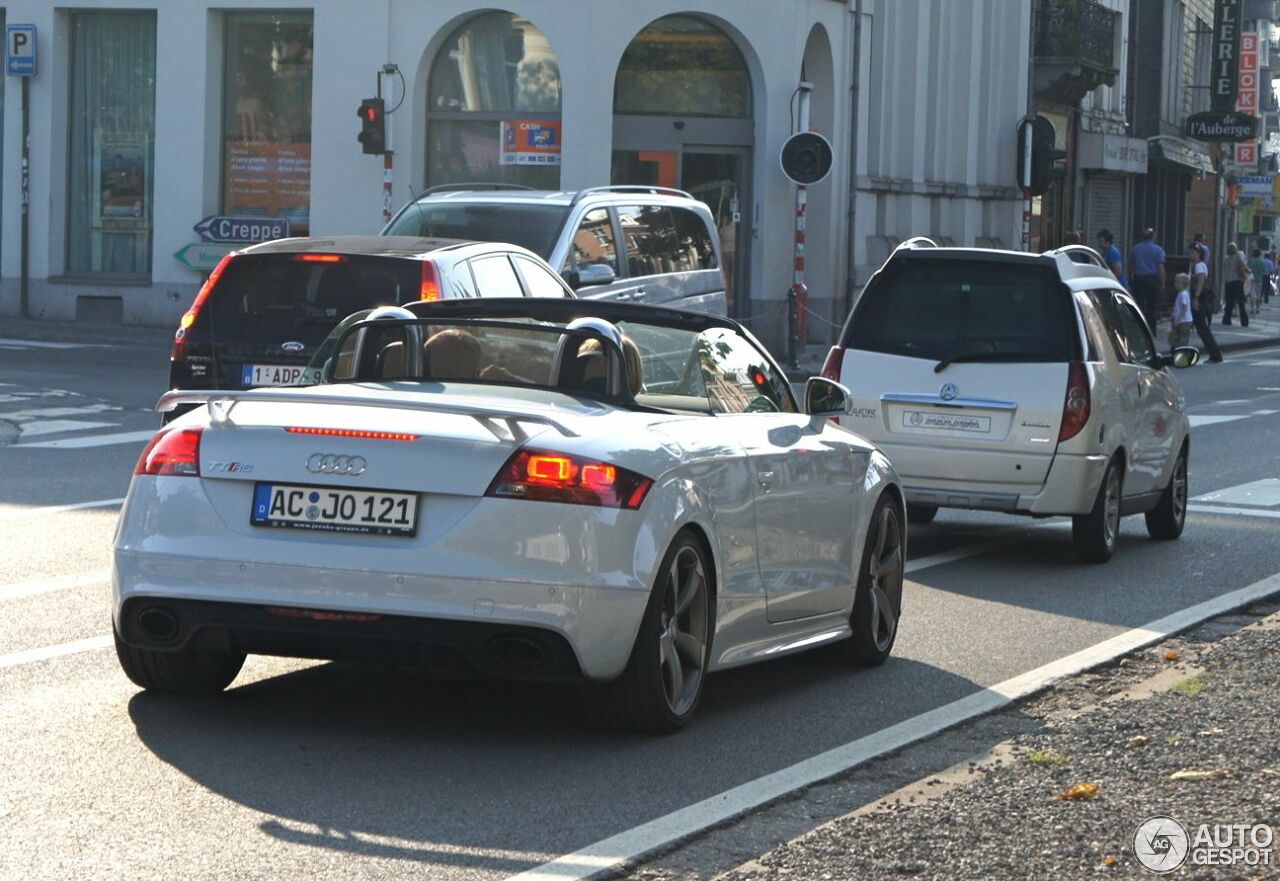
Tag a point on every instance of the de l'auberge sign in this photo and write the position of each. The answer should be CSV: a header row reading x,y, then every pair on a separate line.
x,y
1228,20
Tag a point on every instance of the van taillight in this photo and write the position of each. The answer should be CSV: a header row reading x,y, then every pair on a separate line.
x,y
430,287
831,366
189,317
556,477
1075,407
173,452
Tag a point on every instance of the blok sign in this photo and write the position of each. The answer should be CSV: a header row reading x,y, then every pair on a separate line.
x,y
20,50
1247,93
242,230
530,142
1228,22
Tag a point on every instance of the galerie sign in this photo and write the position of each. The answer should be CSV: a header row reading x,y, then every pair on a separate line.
x,y
1228,21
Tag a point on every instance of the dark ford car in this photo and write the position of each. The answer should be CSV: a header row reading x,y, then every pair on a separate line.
x,y
264,310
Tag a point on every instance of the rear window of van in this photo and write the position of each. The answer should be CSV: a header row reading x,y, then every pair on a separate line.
x,y
939,308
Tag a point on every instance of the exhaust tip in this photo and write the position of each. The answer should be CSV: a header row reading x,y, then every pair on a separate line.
x,y
158,623
515,652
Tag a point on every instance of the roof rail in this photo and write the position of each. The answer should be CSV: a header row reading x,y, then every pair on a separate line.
x,y
916,242
461,188
1085,251
631,188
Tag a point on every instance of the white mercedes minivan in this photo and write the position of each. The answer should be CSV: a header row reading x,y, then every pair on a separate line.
x,y
1015,382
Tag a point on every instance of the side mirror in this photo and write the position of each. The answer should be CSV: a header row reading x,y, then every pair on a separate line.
x,y
822,397
590,275
1184,356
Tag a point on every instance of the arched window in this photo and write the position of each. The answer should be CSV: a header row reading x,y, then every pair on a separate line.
x,y
494,105
683,66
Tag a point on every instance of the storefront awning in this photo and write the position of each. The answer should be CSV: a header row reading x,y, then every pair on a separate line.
x,y
1191,155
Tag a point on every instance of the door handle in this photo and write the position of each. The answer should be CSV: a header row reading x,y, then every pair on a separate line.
x,y
765,479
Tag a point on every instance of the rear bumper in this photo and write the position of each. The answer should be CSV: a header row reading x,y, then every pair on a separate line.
x,y
503,650
1070,488
596,625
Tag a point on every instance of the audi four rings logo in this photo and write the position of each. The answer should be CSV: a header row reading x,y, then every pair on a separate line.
x,y
324,463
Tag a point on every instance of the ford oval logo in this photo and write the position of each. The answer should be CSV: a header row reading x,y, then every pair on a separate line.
x,y
324,463
292,346
948,391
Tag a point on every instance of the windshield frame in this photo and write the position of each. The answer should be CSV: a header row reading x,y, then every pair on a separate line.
x,y
424,203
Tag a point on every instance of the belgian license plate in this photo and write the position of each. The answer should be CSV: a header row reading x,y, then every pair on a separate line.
x,y
333,509
929,420
271,374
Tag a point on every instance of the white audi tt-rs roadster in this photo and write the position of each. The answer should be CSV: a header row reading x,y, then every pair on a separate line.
x,y
609,494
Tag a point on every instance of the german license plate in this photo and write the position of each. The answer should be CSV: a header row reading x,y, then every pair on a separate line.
x,y
333,509
271,374
930,420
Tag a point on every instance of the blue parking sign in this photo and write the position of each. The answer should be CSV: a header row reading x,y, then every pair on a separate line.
x,y
20,50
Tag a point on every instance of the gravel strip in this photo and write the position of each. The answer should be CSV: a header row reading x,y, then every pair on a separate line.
x,y
1221,715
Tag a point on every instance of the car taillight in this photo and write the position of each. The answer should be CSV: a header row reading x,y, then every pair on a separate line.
x,y
555,477
430,288
1076,406
320,258
189,317
831,366
173,452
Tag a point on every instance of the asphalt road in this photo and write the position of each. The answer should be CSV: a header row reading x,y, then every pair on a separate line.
x,y
307,770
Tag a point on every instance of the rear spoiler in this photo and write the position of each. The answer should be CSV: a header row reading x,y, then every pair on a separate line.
x,y
493,419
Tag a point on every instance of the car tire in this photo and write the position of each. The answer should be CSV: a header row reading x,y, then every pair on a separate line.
x,y
921,515
1095,534
193,670
877,602
1166,520
662,684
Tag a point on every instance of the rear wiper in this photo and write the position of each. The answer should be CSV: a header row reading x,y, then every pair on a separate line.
x,y
987,356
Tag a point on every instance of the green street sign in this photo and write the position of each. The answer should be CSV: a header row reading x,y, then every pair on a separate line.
x,y
203,255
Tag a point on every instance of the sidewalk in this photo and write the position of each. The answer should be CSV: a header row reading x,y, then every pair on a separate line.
x,y
1187,730
85,332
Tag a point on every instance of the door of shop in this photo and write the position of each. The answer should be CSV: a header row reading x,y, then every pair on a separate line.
x,y
715,172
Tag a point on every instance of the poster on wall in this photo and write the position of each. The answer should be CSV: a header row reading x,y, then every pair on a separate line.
x,y
268,179
530,142
120,180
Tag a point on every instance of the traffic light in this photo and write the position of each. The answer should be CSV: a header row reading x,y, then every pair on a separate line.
x,y
373,126
1037,158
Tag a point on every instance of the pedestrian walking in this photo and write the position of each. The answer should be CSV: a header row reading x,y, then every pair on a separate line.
x,y
1181,322
1146,263
1257,278
1198,240
1235,272
1111,255
1204,303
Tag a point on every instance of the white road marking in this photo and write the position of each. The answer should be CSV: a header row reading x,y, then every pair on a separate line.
x,y
22,513
1264,412
1233,512
1264,493
39,344
54,412
92,440
1271,362
31,656
1197,421
1233,401
50,585
689,821
1267,388
57,426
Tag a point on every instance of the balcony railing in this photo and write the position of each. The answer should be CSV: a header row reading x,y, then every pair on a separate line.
x,y
1075,48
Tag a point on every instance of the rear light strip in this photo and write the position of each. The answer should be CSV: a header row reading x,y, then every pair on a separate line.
x,y
429,289
350,432
320,258
189,317
539,476
171,453
831,366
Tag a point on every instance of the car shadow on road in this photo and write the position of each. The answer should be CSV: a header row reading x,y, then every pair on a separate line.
x,y
502,776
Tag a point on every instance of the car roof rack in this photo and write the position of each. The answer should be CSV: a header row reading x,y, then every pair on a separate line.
x,y
1083,250
462,188
915,242
632,188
